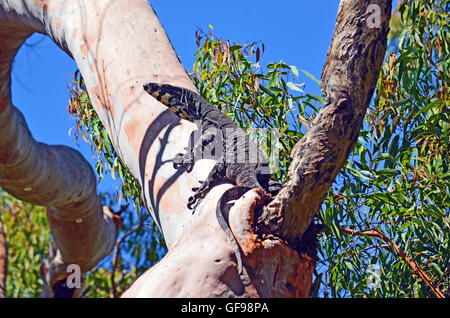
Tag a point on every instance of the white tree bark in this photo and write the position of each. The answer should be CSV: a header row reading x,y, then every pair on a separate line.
x,y
54,176
119,45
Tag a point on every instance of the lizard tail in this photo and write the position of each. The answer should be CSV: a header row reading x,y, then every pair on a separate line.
x,y
185,103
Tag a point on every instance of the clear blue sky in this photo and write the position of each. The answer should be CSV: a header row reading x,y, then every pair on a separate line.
x,y
297,32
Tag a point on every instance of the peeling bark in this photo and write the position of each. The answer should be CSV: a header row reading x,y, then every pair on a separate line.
x,y
348,79
119,45
199,267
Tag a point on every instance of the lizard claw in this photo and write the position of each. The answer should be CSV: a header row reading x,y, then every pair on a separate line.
x,y
189,166
196,198
193,202
183,160
274,187
178,161
195,189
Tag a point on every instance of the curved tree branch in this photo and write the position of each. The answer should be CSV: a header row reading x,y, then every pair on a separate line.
x,y
54,176
348,80
61,179
118,45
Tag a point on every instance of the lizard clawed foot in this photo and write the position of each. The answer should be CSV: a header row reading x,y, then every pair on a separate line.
x,y
193,202
183,160
273,187
199,194
178,161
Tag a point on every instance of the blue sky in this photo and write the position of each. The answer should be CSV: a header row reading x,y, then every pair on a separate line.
x,y
297,32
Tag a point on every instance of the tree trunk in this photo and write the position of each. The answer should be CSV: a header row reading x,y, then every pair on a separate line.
x,y
119,46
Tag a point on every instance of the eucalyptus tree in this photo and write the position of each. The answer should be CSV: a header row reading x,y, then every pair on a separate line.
x,y
115,61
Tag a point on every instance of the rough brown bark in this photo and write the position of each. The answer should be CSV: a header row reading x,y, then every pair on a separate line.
x,y
3,262
348,79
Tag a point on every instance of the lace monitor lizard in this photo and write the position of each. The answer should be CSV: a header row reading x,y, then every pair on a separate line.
x,y
240,162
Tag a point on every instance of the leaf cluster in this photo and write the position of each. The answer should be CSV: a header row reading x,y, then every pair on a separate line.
x,y
28,239
268,102
397,180
91,129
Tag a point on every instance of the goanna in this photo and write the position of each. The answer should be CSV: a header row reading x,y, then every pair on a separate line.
x,y
238,158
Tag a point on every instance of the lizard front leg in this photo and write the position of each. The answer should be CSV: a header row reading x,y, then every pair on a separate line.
x,y
273,187
188,159
214,178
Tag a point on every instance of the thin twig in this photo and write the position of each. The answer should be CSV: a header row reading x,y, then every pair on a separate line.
x,y
113,291
415,268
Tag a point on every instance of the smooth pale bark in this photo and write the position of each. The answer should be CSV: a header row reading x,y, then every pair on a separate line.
x,y
54,176
61,179
119,45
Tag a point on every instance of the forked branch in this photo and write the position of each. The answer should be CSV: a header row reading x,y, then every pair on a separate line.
x,y
348,79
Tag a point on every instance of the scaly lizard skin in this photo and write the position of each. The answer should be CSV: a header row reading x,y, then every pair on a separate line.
x,y
240,162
